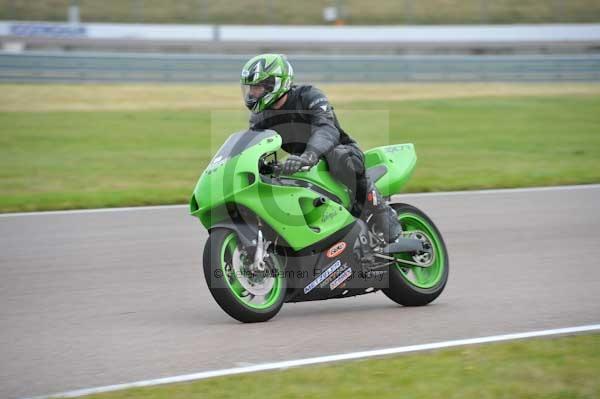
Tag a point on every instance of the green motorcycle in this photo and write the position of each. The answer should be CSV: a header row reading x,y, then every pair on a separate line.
x,y
275,239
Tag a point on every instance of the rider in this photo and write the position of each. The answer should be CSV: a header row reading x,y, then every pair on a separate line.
x,y
309,129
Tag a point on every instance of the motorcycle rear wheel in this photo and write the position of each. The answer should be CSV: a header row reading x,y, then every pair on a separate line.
x,y
412,285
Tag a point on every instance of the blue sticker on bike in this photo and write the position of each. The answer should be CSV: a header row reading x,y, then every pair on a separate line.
x,y
323,276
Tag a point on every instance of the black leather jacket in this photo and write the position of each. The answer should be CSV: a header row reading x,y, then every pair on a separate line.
x,y
305,122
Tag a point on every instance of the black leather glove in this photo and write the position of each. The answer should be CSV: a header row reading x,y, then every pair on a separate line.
x,y
293,163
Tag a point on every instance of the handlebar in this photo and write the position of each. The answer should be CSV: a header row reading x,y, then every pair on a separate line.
x,y
278,168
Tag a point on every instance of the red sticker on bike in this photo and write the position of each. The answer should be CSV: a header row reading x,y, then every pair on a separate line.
x,y
336,250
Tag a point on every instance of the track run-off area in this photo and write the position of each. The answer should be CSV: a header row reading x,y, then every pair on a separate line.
x,y
101,297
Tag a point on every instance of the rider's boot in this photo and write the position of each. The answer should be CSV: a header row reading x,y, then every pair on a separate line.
x,y
383,216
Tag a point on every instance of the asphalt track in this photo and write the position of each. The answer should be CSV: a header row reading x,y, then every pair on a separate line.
x,y
100,298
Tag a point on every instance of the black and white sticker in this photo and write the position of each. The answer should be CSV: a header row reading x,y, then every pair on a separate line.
x,y
322,276
341,278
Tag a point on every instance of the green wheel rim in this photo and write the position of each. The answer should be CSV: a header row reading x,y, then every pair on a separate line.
x,y
263,302
422,277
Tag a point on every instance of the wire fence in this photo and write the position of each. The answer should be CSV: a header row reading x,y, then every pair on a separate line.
x,y
106,67
315,12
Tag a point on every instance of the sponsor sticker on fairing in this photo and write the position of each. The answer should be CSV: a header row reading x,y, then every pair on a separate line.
x,y
341,278
333,276
336,250
323,276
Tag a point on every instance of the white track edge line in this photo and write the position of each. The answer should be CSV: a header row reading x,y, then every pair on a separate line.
x,y
502,190
426,194
321,359
95,210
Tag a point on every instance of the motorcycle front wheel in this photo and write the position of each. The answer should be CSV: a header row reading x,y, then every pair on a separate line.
x,y
246,296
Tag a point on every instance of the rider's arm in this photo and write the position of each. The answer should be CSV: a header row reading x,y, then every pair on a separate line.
x,y
324,135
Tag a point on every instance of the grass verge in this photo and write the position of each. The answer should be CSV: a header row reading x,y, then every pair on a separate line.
x,y
64,159
386,12
140,97
564,367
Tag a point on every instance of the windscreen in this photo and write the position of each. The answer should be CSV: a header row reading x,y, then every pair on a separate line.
x,y
238,142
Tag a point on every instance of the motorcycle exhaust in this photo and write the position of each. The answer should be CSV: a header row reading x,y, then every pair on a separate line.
x,y
403,245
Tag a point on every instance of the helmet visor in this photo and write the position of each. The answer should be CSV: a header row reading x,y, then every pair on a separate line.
x,y
252,94
253,91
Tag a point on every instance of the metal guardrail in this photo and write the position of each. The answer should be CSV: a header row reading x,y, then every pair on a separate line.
x,y
399,34
241,39
111,67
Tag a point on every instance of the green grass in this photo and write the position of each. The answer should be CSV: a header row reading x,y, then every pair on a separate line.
x,y
74,159
387,12
563,368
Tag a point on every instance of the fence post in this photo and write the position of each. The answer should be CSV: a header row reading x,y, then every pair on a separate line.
x,y
340,12
73,12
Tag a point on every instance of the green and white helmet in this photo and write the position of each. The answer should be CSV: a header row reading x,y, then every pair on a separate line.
x,y
265,79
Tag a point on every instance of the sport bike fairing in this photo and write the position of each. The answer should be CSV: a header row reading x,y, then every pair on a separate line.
x,y
304,208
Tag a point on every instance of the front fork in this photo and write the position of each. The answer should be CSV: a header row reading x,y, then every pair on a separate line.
x,y
261,252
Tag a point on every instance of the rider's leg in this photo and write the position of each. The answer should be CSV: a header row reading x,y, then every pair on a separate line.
x,y
346,163
347,166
